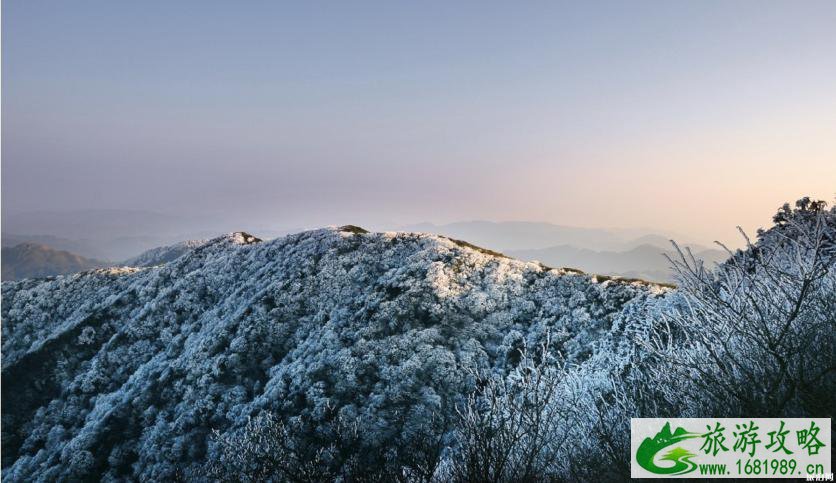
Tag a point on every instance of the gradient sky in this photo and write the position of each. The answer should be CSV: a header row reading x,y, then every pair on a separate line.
x,y
691,117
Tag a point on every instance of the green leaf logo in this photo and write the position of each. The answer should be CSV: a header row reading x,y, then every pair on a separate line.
x,y
680,457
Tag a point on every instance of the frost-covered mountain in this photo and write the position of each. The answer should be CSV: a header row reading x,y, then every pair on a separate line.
x,y
122,373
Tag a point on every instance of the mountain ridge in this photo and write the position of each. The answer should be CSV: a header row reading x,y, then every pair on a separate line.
x,y
126,360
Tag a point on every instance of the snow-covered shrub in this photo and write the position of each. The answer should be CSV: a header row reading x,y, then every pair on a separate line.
x,y
514,427
265,450
757,335
269,450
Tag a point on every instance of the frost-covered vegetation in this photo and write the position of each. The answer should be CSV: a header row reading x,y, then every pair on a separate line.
x,y
342,355
165,254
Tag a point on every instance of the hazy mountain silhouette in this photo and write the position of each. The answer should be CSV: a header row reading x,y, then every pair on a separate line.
x,y
31,260
105,234
79,247
527,235
643,261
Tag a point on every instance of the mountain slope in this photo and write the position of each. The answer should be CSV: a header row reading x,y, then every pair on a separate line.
x,y
121,373
28,260
164,254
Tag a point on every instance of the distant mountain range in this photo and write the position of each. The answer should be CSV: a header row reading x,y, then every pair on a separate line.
x,y
644,261
112,235
32,260
623,252
57,243
527,235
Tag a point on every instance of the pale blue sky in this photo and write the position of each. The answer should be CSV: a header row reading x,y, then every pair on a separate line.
x,y
684,116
